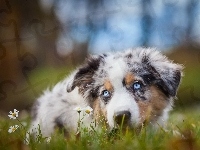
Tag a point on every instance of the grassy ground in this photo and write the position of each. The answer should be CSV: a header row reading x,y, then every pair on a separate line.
x,y
183,132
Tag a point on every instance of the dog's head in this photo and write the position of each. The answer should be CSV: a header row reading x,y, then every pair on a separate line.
x,y
136,85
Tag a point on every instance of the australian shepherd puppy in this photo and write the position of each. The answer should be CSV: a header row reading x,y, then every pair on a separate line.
x,y
136,86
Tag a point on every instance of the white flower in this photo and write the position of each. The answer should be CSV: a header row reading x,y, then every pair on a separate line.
x,y
48,139
13,115
78,109
88,110
13,128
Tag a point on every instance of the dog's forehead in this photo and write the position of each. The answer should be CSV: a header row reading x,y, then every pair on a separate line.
x,y
118,68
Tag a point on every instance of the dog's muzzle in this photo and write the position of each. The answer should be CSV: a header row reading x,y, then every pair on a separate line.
x,y
122,117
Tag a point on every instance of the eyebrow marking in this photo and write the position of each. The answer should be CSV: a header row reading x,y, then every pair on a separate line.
x,y
129,78
108,86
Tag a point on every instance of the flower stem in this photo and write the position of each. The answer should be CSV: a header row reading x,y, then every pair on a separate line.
x,y
20,123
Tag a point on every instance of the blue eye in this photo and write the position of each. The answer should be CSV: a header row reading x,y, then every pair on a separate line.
x,y
137,85
106,93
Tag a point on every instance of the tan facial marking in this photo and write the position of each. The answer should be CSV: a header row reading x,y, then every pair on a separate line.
x,y
129,78
145,110
108,86
98,111
151,109
96,107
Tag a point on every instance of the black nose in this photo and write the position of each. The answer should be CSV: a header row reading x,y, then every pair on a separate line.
x,y
120,115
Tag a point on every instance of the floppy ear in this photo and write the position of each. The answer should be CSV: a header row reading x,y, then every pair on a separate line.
x,y
83,78
170,79
167,75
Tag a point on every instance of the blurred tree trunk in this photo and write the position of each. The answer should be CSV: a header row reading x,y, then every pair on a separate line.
x,y
146,22
190,11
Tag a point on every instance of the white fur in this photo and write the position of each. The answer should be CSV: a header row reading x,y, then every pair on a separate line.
x,y
46,115
122,101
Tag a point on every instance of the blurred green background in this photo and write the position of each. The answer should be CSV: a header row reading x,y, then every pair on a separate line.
x,y
42,41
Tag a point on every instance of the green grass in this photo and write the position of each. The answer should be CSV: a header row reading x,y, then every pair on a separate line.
x,y
182,132
188,93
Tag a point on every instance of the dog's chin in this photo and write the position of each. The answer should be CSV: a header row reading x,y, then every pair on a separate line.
x,y
133,128
125,126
